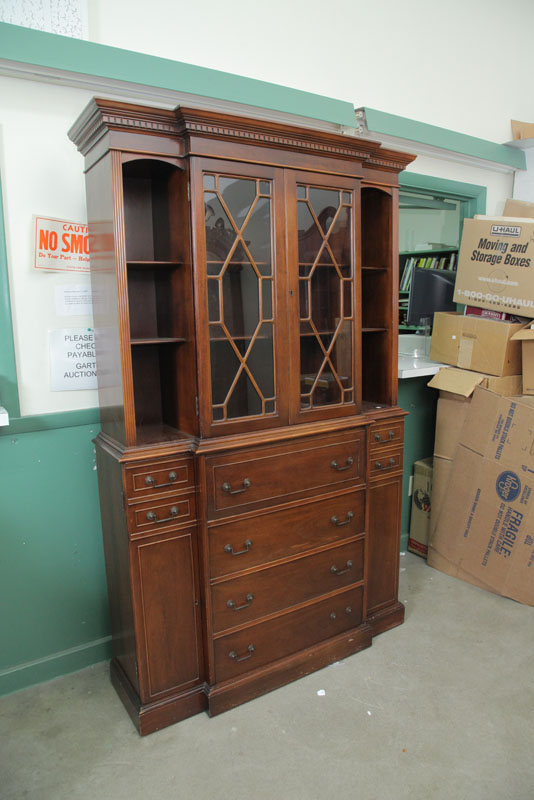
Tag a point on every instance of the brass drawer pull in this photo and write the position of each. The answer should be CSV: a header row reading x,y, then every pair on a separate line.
x,y
231,603
152,516
392,463
335,520
235,657
378,438
335,571
348,464
150,481
226,487
229,549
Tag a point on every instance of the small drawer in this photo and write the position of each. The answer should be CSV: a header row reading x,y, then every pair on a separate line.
x,y
383,462
251,478
268,641
386,434
268,591
153,515
158,477
251,542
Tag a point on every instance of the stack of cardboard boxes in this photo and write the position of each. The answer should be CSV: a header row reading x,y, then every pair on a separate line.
x,y
482,518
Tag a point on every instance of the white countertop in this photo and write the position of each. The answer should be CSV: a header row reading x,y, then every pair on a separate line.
x,y
413,359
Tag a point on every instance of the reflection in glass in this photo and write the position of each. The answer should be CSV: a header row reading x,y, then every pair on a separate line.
x,y
241,302
238,195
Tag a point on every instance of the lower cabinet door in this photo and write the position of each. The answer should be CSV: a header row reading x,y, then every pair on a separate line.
x,y
383,543
164,575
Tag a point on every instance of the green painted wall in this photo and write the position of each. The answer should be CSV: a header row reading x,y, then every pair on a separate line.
x,y
54,599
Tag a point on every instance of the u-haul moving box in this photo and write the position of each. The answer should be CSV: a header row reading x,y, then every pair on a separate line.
x,y
485,529
496,265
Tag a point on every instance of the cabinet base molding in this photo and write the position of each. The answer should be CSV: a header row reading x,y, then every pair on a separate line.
x,y
151,717
230,694
386,618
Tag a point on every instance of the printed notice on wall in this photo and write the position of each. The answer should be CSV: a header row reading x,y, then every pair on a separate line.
x,y
73,300
72,359
60,245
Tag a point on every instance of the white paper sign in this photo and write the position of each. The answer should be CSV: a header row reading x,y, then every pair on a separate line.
x,y
74,300
72,359
61,245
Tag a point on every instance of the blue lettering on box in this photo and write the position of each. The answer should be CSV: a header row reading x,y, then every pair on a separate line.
x,y
508,486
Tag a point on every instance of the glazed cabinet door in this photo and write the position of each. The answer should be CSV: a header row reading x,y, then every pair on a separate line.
x,y
324,292
240,278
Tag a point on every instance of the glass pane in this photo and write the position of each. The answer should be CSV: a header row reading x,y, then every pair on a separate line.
x,y
304,299
341,355
265,187
267,299
257,235
347,198
218,413
244,400
325,203
213,301
260,360
224,367
209,182
340,237
241,305
270,406
347,298
325,298
327,390
311,361
220,236
238,194
310,239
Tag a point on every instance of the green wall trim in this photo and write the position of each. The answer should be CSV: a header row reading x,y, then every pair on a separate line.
x,y
414,131
9,393
45,669
49,50
47,422
473,196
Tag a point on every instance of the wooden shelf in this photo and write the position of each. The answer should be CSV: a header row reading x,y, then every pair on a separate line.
x,y
157,340
374,330
372,268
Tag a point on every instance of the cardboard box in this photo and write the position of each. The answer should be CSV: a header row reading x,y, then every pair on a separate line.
x,y
518,208
475,343
496,265
485,530
421,505
522,130
526,337
456,387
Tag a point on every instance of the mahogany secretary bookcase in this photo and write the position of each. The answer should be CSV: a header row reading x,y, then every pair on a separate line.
x,y
250,456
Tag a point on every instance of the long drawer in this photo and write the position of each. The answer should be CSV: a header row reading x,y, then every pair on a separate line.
x,y
265,642
251,478
245,543
267,591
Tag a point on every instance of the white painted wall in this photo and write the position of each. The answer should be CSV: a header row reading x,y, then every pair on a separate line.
x,y
42,173
461,65
441,63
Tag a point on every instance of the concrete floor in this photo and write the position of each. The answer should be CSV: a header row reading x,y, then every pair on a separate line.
x,y
441,707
